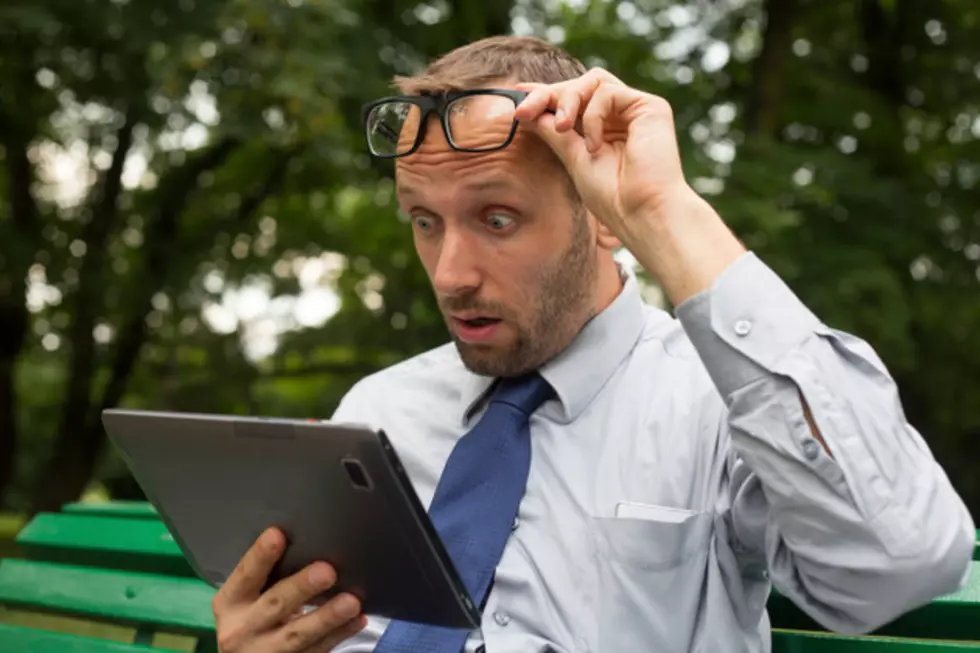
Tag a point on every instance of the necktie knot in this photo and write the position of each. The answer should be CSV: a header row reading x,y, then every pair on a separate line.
x,y
525,393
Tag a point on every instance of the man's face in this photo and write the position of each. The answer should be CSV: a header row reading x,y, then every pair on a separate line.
x,y
510,255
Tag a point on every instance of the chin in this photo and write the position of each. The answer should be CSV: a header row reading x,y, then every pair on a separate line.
x,y
487,360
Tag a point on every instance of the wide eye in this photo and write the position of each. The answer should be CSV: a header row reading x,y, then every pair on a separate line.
x,y
423,222
498,221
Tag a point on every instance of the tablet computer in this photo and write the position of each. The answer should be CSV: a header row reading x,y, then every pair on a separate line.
x,y
337,491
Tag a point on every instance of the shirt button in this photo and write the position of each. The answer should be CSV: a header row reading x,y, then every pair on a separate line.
x,y
501,618
742,328
517,522
811,449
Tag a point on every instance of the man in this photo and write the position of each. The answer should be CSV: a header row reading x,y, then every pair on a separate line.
x,y
663,474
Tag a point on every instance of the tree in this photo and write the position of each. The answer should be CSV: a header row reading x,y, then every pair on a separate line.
x,y
217,156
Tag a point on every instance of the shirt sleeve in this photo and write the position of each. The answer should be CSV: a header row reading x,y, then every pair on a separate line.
x,y
855,539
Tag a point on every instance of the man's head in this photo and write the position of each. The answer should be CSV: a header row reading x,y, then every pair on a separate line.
x,y
517,263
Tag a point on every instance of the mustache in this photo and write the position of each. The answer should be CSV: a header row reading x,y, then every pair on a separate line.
x,y
458,303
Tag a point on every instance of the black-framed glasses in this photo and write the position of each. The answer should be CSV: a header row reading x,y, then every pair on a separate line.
x,y
475,120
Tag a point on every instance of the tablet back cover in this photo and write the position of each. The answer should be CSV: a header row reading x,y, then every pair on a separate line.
x,y
219,481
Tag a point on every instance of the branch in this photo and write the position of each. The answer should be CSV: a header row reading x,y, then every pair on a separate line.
x,y
107,208
271,185
765,97
160,240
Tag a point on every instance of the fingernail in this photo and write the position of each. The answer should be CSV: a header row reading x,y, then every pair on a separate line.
x,y
347,606
320,576
270,540
559,115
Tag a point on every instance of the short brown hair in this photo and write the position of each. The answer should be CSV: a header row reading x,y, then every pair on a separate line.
x,y
493,59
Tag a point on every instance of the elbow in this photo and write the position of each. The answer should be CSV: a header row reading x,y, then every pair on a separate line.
x,y
939,564
944,565
889,578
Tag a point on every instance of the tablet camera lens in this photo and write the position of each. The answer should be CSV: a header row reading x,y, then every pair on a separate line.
x,y
355,472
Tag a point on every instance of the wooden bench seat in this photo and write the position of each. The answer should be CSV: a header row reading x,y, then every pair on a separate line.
x,y
137,544
32,640
144,601
790,641
114,565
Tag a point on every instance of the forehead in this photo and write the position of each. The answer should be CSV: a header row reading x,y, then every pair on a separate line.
x,y
478,122
525,164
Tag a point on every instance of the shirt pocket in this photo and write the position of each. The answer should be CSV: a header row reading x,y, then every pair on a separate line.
x,y
647,543
650,576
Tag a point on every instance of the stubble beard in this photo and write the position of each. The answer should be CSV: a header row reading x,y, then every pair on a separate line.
x,y
564,303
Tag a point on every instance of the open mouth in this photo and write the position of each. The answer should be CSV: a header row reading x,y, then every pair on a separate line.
x,y
480,321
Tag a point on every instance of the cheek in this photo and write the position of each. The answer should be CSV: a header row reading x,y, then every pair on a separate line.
x,y
519,286
427,251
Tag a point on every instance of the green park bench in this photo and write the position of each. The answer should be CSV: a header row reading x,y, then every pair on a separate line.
x,y
109,578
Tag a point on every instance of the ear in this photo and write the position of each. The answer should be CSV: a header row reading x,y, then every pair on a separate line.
x,y
605,238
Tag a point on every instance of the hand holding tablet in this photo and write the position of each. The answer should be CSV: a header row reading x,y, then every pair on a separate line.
x,y
248,619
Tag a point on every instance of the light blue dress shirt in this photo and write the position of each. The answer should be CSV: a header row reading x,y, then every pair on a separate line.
x,y
674,479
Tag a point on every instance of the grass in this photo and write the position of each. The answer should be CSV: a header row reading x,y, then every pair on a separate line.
x,y
10,525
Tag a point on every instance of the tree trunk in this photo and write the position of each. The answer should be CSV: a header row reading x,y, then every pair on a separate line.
x,y
8,402
14,318
762,107
80,439
88,302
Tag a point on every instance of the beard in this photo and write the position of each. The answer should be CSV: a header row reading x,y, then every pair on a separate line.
x,y
561,302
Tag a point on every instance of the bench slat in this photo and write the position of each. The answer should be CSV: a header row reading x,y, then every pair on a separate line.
x,y
15,638
180,605
131,509
951,617
802,642
109,542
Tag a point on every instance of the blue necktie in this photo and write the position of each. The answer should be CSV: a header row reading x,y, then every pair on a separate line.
x,y
475,504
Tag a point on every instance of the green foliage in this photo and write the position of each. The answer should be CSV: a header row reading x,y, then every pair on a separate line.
x,y
839,139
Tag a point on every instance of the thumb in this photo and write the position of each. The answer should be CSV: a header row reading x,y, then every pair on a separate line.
x,y
568,145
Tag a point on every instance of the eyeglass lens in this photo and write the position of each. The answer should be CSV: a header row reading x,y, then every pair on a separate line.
x,y
476,122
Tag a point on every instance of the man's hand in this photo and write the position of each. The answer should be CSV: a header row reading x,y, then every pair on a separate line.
x,y
620,148
625,163
249,621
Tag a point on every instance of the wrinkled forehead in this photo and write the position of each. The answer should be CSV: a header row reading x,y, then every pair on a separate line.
x,y
436,170
473,122
476,122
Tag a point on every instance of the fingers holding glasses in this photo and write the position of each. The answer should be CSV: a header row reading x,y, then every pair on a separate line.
x,y
566,99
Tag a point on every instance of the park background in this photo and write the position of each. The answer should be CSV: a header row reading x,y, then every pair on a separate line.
x,y
189,220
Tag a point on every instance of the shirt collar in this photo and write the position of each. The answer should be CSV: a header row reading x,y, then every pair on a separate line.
x,y
580,371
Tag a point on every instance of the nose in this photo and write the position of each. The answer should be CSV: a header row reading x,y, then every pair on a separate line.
x,y
456,272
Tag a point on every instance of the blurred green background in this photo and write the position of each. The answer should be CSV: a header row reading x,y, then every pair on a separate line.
x,y
189,220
